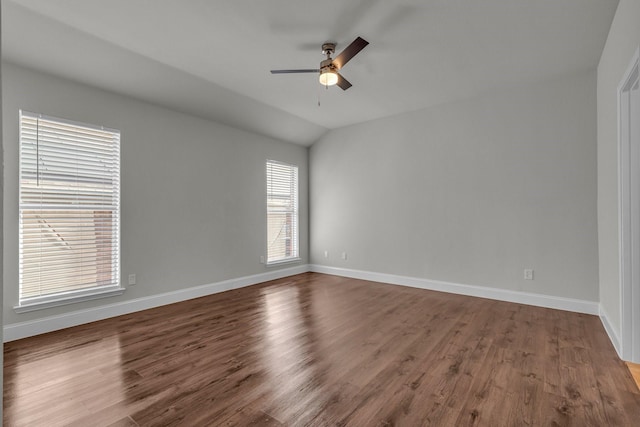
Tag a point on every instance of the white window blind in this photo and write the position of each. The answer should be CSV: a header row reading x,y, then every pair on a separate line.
x,y
69,209
282,212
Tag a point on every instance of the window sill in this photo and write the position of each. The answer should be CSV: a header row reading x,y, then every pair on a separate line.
x,y
68,299
283,261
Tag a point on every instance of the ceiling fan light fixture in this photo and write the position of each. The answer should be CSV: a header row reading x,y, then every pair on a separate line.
x,y
328,77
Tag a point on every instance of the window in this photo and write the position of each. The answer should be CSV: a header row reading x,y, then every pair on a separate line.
x,y
282,212
69,210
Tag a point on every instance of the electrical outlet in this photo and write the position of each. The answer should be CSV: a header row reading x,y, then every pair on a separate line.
x,y
326,254
528,274
344,256
132,279
261,259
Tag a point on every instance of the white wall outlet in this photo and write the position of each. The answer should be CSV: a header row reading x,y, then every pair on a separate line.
x,y
261,259
326,254
344,256
528,274
132,279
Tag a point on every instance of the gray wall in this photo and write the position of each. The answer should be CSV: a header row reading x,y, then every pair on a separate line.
x,y
623,40
193,191
470,193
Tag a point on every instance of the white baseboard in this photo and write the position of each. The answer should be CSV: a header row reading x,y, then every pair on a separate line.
x,y
20,330
548,301
614,336
74,318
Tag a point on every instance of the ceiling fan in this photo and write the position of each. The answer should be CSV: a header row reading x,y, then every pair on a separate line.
x,y
329,68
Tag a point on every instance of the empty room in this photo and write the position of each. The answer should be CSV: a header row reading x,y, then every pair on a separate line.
x,y
319,213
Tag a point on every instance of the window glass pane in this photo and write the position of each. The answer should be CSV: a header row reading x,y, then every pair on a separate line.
x,y
69,207
282,211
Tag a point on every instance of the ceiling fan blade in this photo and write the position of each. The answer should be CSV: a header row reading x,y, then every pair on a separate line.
x,y
343,83
350,51
306,70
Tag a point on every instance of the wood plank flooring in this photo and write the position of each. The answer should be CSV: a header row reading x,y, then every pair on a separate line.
x,y
635,371
320,350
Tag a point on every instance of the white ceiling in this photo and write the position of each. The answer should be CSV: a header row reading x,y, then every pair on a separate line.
x,y
212,58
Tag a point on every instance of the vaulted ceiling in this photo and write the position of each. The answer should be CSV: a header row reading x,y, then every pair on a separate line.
x,y
212,58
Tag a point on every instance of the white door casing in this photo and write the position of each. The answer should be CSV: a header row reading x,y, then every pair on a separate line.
x,y
629,199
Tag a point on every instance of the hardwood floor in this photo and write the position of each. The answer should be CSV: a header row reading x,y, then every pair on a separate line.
x,y
635,372
322,350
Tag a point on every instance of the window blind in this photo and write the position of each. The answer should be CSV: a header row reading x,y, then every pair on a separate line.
x,y
282,212
69,208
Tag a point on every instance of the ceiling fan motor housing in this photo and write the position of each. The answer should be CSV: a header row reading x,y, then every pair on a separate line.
x,y
328,64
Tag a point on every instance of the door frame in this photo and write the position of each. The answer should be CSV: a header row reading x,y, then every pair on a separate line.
x,y
629,221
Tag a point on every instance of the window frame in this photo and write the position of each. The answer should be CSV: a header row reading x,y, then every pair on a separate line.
x,y
295,212
68,296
